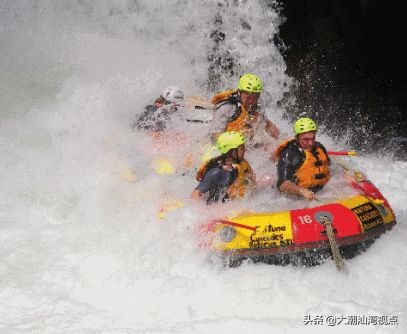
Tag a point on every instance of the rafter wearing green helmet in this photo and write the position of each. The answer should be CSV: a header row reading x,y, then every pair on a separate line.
x,y
227,176
303,166
239,110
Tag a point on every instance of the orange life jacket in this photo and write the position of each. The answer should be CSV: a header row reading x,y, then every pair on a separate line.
x,y
241,121
280,148
244,123
240,185
314,170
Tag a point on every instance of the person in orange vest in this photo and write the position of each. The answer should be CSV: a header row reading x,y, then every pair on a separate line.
x,y
227,176
238,110
303,163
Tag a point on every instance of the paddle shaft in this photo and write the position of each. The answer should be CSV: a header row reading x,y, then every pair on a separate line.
x,y
343,153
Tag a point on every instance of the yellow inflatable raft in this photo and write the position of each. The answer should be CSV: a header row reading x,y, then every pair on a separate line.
x,y
304,236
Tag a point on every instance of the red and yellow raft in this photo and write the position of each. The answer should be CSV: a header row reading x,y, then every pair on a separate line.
x,y
300,236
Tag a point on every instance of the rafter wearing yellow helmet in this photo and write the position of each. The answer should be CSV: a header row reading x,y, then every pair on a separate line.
x,y
238,110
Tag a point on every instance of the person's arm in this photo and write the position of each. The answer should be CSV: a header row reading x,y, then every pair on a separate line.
x,y
220,120
290,187
196,194
209,181
272,129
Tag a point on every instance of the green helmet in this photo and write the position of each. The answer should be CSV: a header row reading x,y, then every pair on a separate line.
x,y
250,83
304,125
229,140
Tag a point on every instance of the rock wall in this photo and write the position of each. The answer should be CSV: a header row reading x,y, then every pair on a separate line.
x,y
349,59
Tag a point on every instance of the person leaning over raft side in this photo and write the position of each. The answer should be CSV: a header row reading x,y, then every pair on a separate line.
x,y
303,163
156,116
237,110
227,176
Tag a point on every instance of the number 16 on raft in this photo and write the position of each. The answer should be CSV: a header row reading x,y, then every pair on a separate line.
x,y
306,219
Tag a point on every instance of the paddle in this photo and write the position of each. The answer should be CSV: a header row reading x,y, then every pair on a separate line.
x,y
325,218
169,206
345,153
198,103
327,199
227,222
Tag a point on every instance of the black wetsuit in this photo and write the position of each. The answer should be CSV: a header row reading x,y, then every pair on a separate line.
x,y
216,181
290,159
155,117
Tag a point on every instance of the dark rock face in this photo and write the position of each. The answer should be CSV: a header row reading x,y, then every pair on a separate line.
x,y
349,58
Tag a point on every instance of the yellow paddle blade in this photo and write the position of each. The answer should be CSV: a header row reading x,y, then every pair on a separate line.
x,y
359,176
168,207
163,166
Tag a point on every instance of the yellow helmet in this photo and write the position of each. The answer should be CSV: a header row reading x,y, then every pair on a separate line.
x,y
229,140
250,83
303,125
